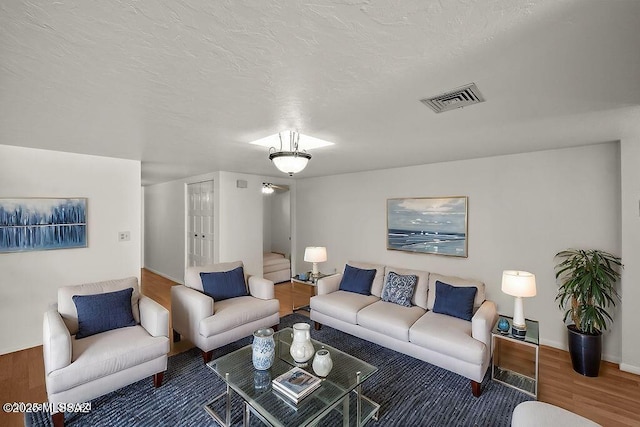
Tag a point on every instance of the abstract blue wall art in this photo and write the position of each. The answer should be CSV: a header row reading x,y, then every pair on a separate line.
x,y
430,225
42,224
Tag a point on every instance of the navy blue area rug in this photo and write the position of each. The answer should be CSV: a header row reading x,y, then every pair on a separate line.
x,y
409,391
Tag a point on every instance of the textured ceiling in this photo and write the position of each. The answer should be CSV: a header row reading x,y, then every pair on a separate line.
x,y
183,86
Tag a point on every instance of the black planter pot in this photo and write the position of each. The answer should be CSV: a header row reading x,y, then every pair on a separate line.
x,y
586,352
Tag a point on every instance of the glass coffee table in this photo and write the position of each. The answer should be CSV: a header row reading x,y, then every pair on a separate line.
x,y
338,397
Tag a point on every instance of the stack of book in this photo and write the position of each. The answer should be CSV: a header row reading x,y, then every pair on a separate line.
x,y
295,384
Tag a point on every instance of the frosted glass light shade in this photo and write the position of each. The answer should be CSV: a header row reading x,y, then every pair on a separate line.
x,y
290,161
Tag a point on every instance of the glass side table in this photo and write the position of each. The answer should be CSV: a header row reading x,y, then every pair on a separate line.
x,y
515,360
311,282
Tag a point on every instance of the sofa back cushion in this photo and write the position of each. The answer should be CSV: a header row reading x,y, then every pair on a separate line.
x,y
222,285
192,274
422,287
67,308
454,281
357,280
378,280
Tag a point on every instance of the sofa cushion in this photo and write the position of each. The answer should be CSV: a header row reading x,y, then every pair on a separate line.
x,y
389,319
419,297
378,280
103,312
231,313
398,289
449,336
222,285
342,305
454,281
104,354
357,280
454,301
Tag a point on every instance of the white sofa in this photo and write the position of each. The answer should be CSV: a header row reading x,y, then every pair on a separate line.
x,y
458,345
78,370
211,324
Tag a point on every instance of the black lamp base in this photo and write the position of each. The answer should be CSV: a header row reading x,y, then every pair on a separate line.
x,y
518,332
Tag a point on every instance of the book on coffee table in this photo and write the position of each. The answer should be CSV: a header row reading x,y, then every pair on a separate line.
x,y
296,384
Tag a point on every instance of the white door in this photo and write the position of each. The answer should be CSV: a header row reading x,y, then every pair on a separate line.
x,y
200,223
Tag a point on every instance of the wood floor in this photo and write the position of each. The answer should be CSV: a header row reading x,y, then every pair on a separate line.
x,y
612,399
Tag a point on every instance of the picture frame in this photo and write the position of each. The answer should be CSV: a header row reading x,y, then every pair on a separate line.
x,y
38,224
428,225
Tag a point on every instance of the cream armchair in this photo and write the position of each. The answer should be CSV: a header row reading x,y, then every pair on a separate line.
x,y
78,370
211,324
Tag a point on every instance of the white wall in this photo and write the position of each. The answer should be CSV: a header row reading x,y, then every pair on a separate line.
x,y
241,221
266,221
29,280
164,229
522,210
630,178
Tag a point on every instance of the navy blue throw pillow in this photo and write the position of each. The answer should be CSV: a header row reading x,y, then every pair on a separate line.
x,y
103,312
223,285
357,280
456,301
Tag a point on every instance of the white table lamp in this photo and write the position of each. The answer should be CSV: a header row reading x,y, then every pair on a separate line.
x,y
520,284
315,254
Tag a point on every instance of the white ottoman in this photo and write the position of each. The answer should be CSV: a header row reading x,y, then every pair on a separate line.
x,y
535,414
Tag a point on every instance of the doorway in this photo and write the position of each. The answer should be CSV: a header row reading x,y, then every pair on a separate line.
x,y
277,234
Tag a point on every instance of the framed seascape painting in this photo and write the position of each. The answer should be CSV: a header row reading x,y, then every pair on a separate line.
x,y
42,224
428,225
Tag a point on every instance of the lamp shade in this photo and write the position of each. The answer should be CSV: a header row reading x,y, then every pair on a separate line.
x,y
518,283
315,254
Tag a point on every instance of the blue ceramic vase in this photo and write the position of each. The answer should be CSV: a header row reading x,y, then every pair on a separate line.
x,y
263,349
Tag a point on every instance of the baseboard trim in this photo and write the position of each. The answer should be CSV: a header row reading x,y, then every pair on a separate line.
x,y
630,368
561,346
166,276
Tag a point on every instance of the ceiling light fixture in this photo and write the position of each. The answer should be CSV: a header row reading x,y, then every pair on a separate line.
x,y
292,161
267,188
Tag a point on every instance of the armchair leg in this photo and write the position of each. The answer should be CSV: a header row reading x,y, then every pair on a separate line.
x,y
476,388
176,336
207,355
157,379
57,419
317,325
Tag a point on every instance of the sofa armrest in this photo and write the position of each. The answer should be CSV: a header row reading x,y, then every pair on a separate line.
x,y
56,342
188,308
261,288
329,284
483,321
154,317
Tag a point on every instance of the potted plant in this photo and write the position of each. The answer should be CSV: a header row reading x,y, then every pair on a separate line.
x,y
587,281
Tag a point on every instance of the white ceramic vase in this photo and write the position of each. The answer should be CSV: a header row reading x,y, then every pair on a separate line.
x,y
301,347
322,363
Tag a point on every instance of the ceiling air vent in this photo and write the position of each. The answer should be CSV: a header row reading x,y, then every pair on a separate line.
x,y
456,98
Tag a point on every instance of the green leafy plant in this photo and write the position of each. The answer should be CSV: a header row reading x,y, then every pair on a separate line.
x,y
587,287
